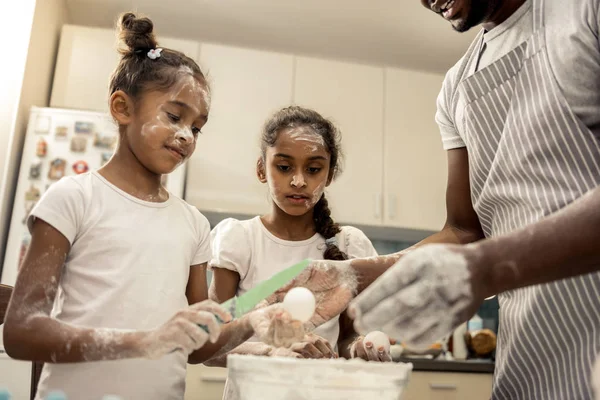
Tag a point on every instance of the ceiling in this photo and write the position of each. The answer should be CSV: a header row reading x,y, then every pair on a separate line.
x,y
384,32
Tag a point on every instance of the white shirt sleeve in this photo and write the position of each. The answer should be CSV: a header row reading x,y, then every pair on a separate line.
x,y
358,244
203,250
230,247
444,117
62,207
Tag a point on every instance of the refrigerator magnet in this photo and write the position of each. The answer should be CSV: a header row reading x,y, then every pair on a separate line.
x,y
105,142
32,194
78,144
23,250
105,157
83,127
35,170
41,148
42,124
61,132
28,209
80,167
57,169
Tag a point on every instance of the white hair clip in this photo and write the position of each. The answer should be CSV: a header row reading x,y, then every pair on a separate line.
x,y
331,241
153,54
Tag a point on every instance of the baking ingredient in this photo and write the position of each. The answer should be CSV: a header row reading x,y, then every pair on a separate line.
x,y
381,341
277,378
300,303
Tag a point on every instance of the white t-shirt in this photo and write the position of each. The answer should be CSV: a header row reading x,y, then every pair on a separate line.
x,y
496,43
128,268
248,248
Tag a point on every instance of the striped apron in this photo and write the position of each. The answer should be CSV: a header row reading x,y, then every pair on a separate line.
x,y
529,156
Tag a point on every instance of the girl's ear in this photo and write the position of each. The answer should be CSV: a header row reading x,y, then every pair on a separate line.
x,y
260,170
121,107
330,177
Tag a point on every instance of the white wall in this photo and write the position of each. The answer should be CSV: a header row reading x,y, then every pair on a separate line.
x,y
32,34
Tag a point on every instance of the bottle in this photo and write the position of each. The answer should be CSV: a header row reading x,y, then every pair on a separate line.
x,y
475,324
459,347
56,395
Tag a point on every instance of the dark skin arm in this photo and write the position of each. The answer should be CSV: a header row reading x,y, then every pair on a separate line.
x,y
462,224
347,336
223,287
31,303
564,245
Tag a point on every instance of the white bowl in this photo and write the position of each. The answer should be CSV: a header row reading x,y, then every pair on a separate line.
x,y
275,378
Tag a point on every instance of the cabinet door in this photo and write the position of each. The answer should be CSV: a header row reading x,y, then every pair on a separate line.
x,y
448,386
247,87
206,383
351,95
415,169
86,59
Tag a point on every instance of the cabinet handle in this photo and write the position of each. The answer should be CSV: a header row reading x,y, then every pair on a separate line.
x,y
391,206
442,386
378,201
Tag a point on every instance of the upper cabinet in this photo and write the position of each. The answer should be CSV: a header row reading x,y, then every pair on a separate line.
x,y
86,59
415,166
351,95
394,171
247,87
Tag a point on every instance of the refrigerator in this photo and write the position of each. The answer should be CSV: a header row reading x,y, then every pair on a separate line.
x,y
59,143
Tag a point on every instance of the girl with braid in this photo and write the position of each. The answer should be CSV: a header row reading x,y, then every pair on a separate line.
x,y
300,158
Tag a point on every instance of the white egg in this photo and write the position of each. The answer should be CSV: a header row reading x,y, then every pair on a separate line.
x,y
300,303
379,339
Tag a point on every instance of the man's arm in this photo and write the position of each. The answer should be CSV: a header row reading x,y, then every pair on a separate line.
x,y
462,224
564,245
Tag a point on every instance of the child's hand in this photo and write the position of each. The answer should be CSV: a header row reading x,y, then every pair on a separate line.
x,y
185,330
332,282
314,346
368,352
274,325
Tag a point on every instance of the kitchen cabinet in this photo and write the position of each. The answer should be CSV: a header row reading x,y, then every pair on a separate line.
x,y
85,61
247,87
448,386
394,166
415,166
351,95
206,383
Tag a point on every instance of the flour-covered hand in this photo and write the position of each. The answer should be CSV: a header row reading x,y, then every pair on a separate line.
x,y
274,326
333,284
424,296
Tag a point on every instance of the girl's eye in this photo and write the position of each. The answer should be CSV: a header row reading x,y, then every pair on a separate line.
x,y
173,117
284,168
314,170
196,131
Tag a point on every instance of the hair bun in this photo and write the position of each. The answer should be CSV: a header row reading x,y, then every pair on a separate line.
x,y
136,33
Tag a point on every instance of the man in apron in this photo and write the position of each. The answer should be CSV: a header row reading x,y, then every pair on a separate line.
x,y
520,117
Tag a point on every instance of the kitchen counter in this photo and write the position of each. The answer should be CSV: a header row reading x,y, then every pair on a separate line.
x,y
468,366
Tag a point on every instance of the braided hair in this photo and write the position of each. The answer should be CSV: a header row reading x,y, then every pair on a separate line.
x,y
295,117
